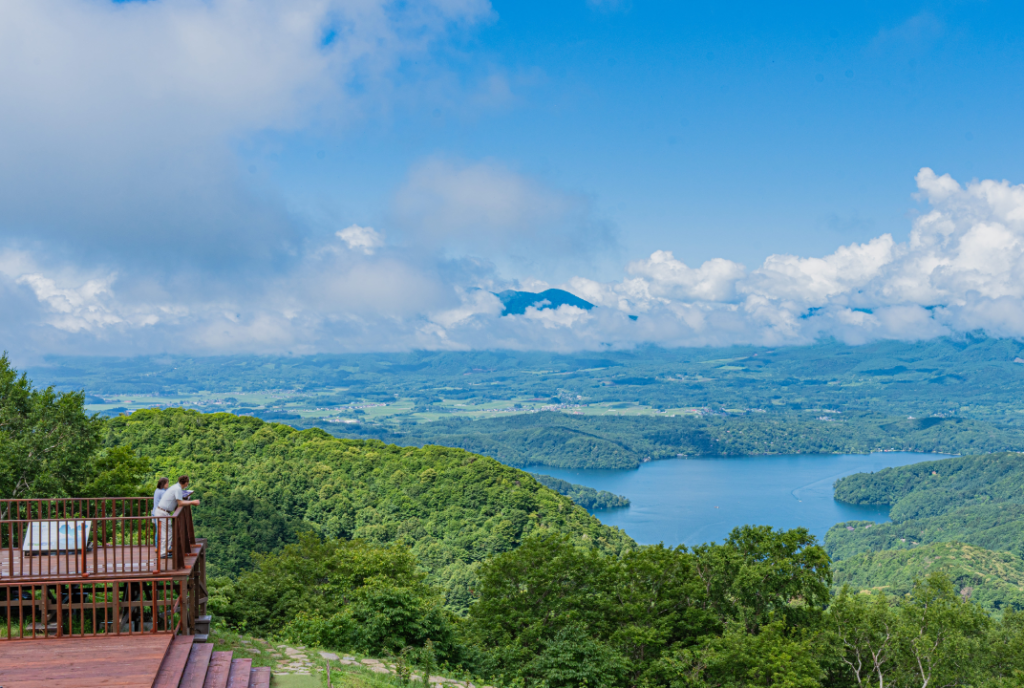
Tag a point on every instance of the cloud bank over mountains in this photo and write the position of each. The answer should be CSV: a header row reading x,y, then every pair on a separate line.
x,y
961,270
132,219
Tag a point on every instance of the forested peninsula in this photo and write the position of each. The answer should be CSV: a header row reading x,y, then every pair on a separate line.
x,y
962,515
976,500
586,497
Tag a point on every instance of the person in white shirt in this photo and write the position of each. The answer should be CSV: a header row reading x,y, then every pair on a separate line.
x,y
171,500
161,487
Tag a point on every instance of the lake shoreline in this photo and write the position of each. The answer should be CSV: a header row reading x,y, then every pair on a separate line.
x,y
703,498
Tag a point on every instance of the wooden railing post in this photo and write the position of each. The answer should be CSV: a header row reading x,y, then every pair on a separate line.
x,y
159,552
60,611
183,606
176,541
191,529
85,550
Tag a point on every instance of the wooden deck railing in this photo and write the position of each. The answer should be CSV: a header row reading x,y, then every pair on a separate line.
x,y
74,507
62,539
91,608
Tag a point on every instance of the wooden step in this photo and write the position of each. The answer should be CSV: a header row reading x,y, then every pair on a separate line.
x,y
217,674
173,665
259,677
238,677
198,663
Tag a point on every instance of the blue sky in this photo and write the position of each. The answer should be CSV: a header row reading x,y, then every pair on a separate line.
x,y
235,175
714,129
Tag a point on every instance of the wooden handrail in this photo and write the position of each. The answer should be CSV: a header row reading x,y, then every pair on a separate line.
x,y
65,507
86,518
115,544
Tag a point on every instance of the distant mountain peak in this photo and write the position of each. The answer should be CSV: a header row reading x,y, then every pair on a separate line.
x,y
516,302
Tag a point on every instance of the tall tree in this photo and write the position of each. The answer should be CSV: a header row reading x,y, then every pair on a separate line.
x,y
931,637
47,440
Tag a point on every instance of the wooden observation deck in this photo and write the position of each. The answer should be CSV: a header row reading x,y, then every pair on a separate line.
x,y
98,592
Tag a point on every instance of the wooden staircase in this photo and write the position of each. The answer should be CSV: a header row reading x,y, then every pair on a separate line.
x,y
189,664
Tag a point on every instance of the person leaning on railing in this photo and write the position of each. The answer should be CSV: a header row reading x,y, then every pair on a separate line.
x,y
171,500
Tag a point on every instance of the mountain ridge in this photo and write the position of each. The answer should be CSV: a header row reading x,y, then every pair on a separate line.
x,y
516,302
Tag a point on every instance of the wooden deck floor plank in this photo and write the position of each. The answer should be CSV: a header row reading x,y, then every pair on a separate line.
x,y
83,662
240,670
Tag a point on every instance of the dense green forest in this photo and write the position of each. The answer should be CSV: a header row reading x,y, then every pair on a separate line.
x,y
993,580
611,410
265,483
755,610
567,441
586,497
963,515
930,488
50,447
977,500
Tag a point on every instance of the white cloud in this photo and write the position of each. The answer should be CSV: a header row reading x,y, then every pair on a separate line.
x,y
715,280
475,302
72,302
76,309
813,281
476,201
485,207
121,123
365,239
563,316
961,269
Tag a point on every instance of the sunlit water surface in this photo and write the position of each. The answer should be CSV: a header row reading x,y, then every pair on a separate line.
x,y
690,501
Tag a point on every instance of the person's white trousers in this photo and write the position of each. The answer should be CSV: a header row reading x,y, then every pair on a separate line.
x,y
164,526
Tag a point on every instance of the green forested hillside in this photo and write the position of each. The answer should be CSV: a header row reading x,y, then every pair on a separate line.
x,y
932,487
568,441
50,447
263,483
752,611
994,580
993,526
977,500
963,515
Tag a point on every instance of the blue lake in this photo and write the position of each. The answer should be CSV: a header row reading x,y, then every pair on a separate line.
x,y
690,501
